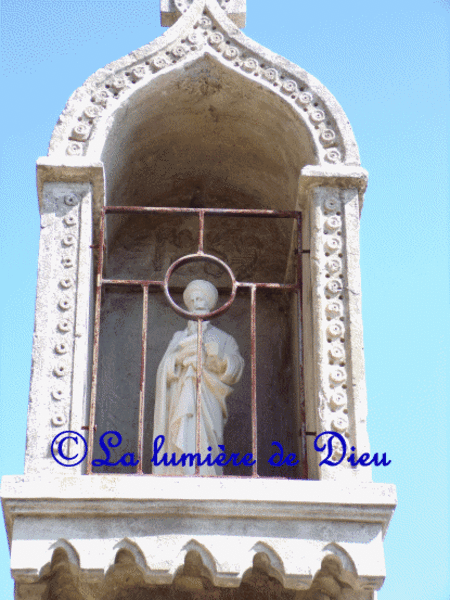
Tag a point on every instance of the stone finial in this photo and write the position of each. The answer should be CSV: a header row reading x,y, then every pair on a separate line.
x,y
171,10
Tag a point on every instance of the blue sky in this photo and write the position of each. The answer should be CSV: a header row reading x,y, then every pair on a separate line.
x,y
387,63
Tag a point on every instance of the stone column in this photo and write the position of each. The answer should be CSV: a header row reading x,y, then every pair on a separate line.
x,y
60,374
337,388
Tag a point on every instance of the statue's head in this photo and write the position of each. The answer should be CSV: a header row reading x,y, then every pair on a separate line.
x,y
332,565
200,296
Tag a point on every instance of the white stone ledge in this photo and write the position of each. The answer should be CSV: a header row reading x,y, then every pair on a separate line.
x,y
217,497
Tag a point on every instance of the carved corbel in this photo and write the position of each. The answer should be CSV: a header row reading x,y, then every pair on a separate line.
x,y
261,583
332,581
124,576
194,576
63,580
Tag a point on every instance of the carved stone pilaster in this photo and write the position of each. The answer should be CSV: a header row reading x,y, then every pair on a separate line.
x,y
339,388
59,379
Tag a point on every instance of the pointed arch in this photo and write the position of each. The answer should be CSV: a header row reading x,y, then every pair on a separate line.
x,y
340,552
133,548
86,122
207,557
276,561
72,553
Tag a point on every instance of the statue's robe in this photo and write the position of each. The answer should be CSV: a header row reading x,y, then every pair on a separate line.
x,y
175,401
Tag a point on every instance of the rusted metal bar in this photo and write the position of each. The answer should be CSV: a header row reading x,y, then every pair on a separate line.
x,y
201,230
95,351
219,212
141,282
86,427
243,284
154,285
253,378
192,258
271,286
199,392
301,381
142,382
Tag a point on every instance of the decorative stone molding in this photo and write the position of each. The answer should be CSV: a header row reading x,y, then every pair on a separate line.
x,y
297,531
60,348
333,404
203,29
339,389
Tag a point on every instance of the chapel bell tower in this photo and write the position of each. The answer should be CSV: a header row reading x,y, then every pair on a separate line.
x,y
201,156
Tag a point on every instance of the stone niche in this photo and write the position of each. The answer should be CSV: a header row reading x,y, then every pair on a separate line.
x,y
216,144
257,250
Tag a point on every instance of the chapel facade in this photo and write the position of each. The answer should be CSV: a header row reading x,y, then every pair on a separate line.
x,y
200,156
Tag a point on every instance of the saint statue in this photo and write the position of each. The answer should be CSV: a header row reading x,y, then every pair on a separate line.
x,y
175,402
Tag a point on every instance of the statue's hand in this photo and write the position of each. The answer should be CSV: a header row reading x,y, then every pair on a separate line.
x,y
212,348
190,361
215,364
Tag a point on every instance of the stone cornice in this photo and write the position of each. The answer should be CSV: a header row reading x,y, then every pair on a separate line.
x,y
112,495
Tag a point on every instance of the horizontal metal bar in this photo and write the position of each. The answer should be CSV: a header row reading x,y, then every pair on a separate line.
x,y
219,212
86,427
205,476
243,284
140,282
271,286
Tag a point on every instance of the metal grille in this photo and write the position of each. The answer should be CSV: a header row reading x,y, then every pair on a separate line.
x,y
163,285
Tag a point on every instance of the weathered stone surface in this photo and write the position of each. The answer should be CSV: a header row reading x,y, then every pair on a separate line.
x,y
160,519
171,10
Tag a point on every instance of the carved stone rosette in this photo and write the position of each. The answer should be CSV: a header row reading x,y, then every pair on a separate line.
x,y
339,393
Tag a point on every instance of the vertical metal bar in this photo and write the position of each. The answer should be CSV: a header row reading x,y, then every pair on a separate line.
x,y
98,300
142,383
199,393
253,365
201,230
301,381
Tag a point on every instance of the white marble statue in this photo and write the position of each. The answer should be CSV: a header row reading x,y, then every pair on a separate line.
x,y
175,402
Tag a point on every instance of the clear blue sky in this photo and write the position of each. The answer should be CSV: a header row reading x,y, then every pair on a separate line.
x,y
387,63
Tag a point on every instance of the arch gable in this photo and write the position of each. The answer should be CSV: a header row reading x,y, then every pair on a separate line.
x,y
204,29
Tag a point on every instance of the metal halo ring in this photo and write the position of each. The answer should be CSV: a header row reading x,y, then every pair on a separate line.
x,y
195,258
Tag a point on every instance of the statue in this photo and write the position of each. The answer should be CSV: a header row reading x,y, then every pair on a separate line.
x,y
175,402
330,580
